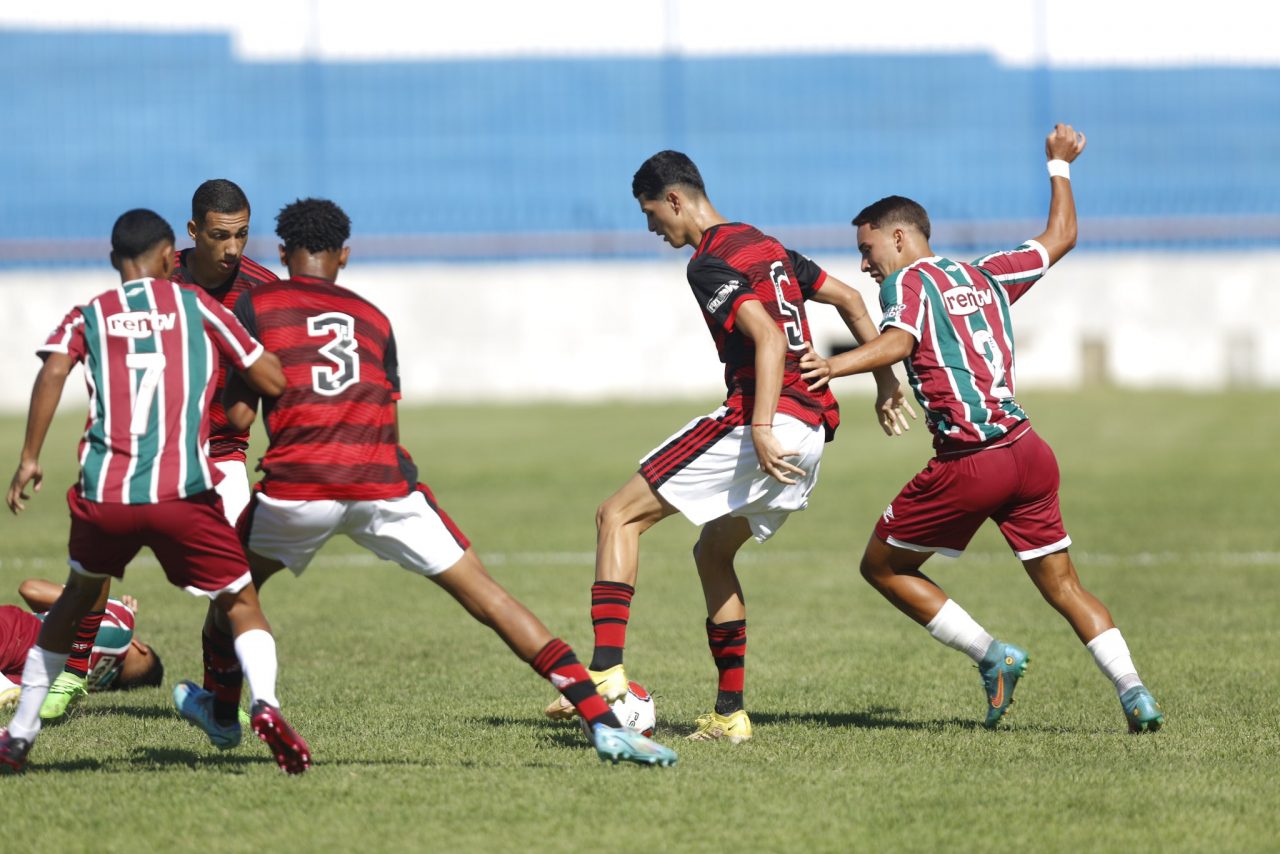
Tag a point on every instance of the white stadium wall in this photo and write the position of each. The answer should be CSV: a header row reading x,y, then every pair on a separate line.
x,y
630,330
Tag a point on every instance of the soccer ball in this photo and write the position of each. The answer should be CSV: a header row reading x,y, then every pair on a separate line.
x,y
635,710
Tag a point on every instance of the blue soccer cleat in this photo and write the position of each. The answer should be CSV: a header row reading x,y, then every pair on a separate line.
x,y
1001,668
627,745
195,704
1141,711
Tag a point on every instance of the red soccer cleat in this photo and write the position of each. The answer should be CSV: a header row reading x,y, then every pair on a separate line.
x,y
290,749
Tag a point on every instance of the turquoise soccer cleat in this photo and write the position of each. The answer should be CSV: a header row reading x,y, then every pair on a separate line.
x,y
1001,668
195,704
627,745
1141,711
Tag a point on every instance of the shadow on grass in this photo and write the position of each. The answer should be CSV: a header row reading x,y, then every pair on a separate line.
x,y
874,718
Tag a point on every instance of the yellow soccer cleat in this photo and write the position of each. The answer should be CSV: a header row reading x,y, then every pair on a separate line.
x,y
734,728
610,684
9,698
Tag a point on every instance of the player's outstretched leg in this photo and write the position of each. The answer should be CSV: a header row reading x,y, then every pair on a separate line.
x,y
470,584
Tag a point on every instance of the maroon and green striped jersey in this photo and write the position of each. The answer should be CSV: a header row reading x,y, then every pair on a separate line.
x,y
961,368
734,263
333,431
150,349
225,441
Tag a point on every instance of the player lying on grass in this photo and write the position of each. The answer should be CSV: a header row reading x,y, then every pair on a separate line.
x,y
149,347
113,660
740,470
335,466
950,321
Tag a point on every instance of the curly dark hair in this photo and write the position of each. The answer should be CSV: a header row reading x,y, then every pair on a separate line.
x,y
316,225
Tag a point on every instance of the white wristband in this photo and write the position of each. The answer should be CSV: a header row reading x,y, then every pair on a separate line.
x,y
1059,169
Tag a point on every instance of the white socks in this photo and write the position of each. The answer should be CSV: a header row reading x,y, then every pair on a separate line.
x,y
955,628
1112,655
41,669
256,650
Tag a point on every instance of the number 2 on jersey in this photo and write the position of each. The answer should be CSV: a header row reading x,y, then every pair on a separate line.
x,y
341,350
986,346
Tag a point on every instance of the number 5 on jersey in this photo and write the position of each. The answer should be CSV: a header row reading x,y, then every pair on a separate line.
x,y
341,350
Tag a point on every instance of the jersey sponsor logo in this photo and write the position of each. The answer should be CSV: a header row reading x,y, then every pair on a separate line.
x,y
964,300
723,294
894,312
140,324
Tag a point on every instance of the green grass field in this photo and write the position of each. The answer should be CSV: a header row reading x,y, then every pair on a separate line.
x,y
428,735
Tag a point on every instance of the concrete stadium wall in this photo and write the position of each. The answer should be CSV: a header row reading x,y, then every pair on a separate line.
x,y
630,330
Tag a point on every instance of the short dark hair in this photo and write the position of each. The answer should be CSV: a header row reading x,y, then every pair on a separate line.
x,y
316,225
138,231
217,195
662,170
894,209
153,677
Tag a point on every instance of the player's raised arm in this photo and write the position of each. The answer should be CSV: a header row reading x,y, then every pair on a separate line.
x,y
44,403
1061,147
890,403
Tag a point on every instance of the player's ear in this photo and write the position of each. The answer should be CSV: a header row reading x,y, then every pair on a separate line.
x,y
343,256
192,229
675,200
284,256
167,261
115,263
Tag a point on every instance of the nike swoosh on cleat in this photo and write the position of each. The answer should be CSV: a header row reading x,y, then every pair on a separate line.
x,y
998,699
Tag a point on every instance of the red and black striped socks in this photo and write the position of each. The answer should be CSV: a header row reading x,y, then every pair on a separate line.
x,y
82,646
223,675
610,611
728,643
556,663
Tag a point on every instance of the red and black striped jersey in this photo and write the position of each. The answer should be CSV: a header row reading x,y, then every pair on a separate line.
x,y
225,442
333,431
734,263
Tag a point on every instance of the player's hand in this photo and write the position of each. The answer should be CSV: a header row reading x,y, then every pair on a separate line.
x,y
891,404
773,459
1065,143
129,602
29,472
814,368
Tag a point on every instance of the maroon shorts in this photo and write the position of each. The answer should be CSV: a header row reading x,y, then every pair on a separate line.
x,y
196,547
1015,484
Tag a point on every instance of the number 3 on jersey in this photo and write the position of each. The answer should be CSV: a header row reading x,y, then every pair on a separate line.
x,y
341,350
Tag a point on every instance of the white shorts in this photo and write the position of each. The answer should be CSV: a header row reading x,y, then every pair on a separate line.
x,y
233,489
709,469
408,531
